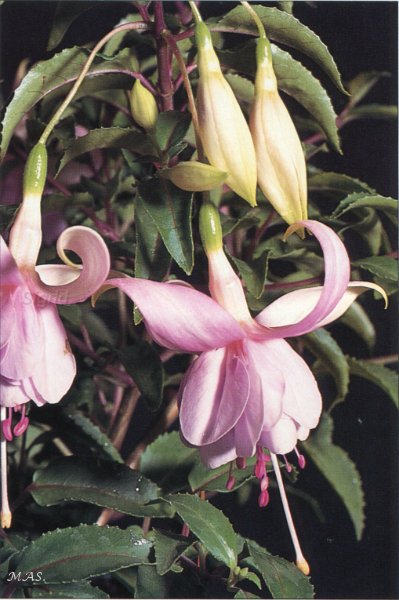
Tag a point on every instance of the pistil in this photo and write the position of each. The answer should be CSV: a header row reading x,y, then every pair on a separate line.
x,y
5,516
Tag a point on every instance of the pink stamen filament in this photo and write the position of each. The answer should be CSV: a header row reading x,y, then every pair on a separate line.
x,y
300,559
5,517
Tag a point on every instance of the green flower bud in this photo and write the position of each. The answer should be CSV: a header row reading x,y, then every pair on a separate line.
x,y
194,176
35,171
143,106
210,228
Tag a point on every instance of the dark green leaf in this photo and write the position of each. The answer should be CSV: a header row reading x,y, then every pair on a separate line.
x,y
283,579
372,111
358,320
108,137
66,13
171,210
286,5
152,258
384,378
325,348
106,484
387,205
369,227
242,87
337,183
168,462
285,29
383,267
245,594
89,432
84,589
339,470
171,128
168,548
209,524
142,362
254,275
77,553
363,83
294,79
150,584
202,478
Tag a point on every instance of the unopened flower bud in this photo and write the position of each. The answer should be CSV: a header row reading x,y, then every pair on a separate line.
x,y
26,232
279,154
223,129
143,106
194,176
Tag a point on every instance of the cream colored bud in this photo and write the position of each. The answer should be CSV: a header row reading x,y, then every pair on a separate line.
x,y
143,106
224,132
194,176
280,158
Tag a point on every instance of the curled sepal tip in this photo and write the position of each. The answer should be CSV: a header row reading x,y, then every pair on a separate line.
x,y
63,284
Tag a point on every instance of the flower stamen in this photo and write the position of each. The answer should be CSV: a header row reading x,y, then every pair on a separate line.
x,y
5,515
301,562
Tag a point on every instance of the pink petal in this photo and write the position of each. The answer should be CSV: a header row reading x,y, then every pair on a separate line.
x,y
214,396
10,275
294,306
266,360
179,317
10,394
56,370
302,399
93,252
249,426
20,351
219,453
282,438
336,279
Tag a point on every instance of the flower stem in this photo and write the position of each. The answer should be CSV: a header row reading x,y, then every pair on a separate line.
x,y
139,25
163,60
255,17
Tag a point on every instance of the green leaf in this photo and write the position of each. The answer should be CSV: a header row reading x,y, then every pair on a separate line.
x,y
77,553
363,83
90,434
294,79
325,348
244,593
209,524
66,13
242,87
283,579
168,461
254,275
285,29
83,589
170,129
214,480
383,267
358,320
337,183
384,378
106,484
108,137
171,210
385,112
358,200
339,470
168,548
152,259
142,362
151,585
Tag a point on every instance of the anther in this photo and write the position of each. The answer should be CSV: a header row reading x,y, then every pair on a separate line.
x,y
263,499
241,462
301,459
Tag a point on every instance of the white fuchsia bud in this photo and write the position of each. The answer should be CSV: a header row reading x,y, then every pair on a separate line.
x,y
223,129
280,159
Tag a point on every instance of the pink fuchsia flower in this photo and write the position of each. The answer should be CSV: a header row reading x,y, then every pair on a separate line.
x,y
248,388
36,362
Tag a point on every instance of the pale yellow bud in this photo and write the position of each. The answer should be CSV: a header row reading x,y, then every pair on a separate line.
x,y
194,176
280,158
143,106
224,132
